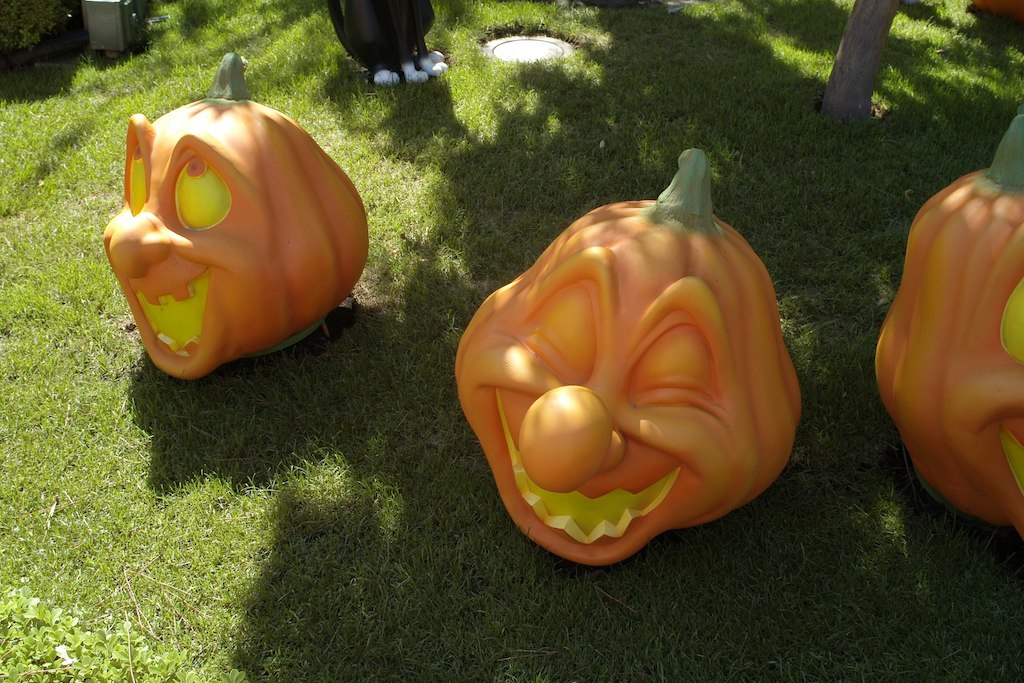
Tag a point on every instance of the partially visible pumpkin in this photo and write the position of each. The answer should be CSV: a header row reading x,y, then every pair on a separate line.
x,y
238,232
1013,9
950,356
634,379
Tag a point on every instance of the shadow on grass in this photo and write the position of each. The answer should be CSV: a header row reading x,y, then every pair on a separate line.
x,y
250,419
1003,543
26,85
198,17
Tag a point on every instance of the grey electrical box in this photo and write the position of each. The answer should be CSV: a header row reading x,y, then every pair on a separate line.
x,y
114,25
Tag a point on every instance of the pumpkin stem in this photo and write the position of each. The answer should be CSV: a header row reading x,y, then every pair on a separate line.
x,y
686,203
1007,169
229,84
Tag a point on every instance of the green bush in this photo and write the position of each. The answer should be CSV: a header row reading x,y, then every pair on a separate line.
x,y
23,23
39,644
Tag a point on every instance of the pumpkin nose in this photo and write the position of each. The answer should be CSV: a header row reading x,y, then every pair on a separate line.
x,y
567,437
137,243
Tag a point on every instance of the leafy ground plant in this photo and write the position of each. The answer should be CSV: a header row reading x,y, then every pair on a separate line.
x,y
42,644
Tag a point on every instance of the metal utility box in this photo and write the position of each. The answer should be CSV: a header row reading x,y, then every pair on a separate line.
x,y
114,25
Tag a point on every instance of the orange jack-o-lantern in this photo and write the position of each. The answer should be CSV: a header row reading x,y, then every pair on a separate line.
x,y
950,357
238,233
634,379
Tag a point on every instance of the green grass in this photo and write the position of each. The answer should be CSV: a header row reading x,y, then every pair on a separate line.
x,y
327,514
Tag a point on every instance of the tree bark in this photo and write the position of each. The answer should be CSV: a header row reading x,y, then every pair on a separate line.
x,y
848,93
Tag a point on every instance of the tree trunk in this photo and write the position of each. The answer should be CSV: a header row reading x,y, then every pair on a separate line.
x,y
848,93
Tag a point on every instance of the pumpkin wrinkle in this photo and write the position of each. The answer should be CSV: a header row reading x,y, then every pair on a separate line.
x,y
677,362
954,249
687,302
932,317
295,164
564,335
721,460
744,322
713,252
975,477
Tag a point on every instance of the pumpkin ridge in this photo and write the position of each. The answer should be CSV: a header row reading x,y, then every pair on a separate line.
x,y
749,274
929,227
1005,272
932,319
330,247
999,252
286,143
970,251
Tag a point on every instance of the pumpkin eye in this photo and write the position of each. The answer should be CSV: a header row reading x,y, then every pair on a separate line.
x,y
136,182
202,197
564,337
674,366
1013,324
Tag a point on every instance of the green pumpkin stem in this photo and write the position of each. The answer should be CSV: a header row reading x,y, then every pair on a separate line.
x,y
686,203
1007,169
229,84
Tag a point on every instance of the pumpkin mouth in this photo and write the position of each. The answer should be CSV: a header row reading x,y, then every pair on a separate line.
x,y
581,517
1014,452
178,323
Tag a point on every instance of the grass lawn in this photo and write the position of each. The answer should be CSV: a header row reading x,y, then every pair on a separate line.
x,y
326,513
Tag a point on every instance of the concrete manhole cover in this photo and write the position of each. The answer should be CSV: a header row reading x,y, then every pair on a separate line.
x,y
527,48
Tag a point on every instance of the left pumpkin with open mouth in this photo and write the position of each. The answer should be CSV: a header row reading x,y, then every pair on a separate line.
x,y
238,235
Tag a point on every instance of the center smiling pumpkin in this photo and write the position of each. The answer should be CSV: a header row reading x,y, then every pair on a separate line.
x,y
633,380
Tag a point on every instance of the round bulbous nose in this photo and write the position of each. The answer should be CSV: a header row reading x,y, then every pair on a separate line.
x,y
136,243
567,437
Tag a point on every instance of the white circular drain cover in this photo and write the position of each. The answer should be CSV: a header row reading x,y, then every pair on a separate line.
x,y
527,48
